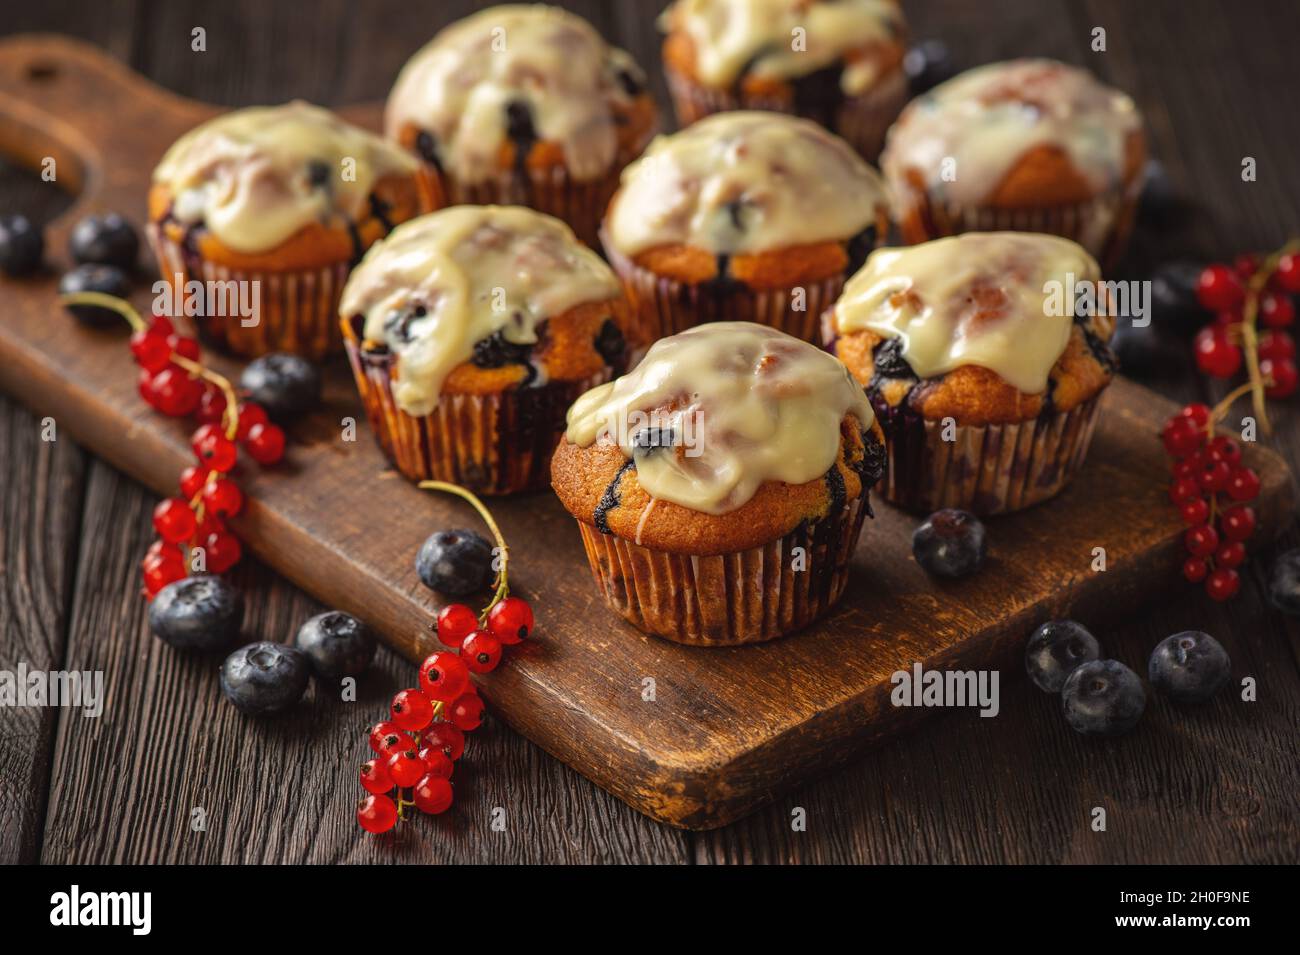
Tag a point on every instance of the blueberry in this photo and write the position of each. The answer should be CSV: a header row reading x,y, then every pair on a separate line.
x,y
495,351
927,65
611,344
949,543
1143,352
107,279
1055,649
337,645
1189,667
197,613
1160,204
105,240
1284,586
455,562
21,245
285,385
1103,698
265,677
1174,306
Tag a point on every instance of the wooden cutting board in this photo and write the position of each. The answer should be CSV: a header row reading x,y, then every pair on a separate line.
x,y
726,729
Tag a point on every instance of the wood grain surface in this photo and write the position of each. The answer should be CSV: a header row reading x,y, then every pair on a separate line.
x,y
1016,788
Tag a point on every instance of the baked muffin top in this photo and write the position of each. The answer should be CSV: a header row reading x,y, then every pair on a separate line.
x,y
741,182
713,413
256,176
782,39
988,119
442,284
510,69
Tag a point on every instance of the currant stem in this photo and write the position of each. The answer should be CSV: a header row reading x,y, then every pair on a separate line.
x,y
502,582
1249,334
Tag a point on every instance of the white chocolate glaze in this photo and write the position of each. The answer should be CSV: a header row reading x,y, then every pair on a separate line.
x,y
745,404
987,118
975,299
745,181
759,36
256,176
459,86
441,283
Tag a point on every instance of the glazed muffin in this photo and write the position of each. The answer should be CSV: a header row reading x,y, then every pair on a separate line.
x,y
470,332
288,197
524,105
1030,146
746,216
836,62
982,372
721,486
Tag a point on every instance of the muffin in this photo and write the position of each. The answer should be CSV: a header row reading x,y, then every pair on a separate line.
x,y
470,332
720,487
746,216
836,62
985,376
1029,146
524,105
288,197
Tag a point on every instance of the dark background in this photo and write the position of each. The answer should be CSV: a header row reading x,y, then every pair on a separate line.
x,y
1216,82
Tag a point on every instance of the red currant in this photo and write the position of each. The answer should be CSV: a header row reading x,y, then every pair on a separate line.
x,y
1197,413
1194,512
443,676
1222,583
223,552
1230,554
375,777
1243,485
511,621
1287,275
1218,288
432,795
192,481
151,351
1281,375
1214,476
213,448
265,443
1276,344
406,768
1183,490
1187,468
481,652
1216,355
1201,541
387,738
159,571
223,498
1246,265
455,623
173,520
1276,311
212,405
447,738
466,712
1180,435
439,763
184,346
411,710
1238,523
174,393
249,415
1195,569
376,813
1224,449
161,325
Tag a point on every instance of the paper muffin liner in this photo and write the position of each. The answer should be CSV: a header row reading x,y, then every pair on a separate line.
x,y
1101,225
746,596
989,469
861,120
492,444
663,306
297,311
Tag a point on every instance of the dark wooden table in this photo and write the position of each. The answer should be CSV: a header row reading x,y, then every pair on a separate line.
x,y
1217,784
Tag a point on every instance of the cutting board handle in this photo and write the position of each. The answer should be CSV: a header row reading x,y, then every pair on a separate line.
x,y
121,120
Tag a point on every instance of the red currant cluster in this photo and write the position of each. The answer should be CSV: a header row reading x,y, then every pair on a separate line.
x,y
174,382
1242,296
1211,489
416,748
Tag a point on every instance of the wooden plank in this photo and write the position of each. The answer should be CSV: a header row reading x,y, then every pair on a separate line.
x,y
729,728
